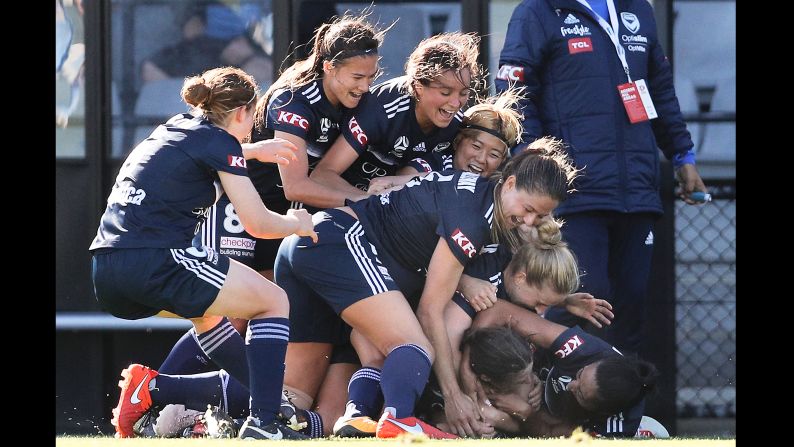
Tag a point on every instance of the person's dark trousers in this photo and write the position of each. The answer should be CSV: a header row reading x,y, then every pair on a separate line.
x,y
614,251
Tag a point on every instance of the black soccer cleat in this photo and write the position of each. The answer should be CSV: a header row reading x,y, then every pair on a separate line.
x,y
144,427
275,430
293,417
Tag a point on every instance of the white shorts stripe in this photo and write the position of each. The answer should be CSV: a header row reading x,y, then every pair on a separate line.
x,y
366,266
202,271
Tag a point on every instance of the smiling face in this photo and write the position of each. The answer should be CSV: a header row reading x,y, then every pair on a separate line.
x,y
520,207
348,80
439,100
481,154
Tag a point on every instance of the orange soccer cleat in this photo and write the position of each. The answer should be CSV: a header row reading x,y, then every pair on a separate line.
x,y
134,400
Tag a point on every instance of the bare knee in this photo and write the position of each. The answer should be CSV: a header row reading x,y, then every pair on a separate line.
x,y
205,323
273,303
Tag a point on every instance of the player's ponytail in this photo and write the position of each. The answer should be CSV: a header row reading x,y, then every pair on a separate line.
x,y
546,260
622,382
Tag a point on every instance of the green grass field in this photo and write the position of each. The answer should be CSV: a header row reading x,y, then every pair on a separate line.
x,y
561,442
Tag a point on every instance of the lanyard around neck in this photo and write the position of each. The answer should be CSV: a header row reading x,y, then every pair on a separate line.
x,y
611,30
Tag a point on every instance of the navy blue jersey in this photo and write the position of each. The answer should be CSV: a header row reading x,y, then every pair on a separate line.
x,y
406,224
305,113
573,350
488,266
493,260
384,132
167,183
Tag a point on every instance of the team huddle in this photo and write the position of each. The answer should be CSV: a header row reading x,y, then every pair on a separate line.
x,y
358,259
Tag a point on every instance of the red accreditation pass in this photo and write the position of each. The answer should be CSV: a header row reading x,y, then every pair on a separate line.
x,y
637,101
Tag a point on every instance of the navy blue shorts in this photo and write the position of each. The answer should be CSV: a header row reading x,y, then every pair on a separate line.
x,y
341,267
224,232
458,299
344,353
133,283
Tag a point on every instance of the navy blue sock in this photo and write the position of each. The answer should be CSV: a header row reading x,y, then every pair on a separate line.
x,y
405,374
315,427
363,393
237,397
266,346
194,391
226,348
186,357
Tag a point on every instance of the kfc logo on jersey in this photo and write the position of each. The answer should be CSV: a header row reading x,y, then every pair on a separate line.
x,y
569,346
293,119
464,243
358,133
425,165
236,161
510,73
580,45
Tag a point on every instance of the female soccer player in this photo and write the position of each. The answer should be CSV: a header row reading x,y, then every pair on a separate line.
x,y
375,252
405,117
143,261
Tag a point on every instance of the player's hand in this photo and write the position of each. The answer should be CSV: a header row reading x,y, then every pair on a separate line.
x,y
689,181
379,185
586,306
305,224
462,415
274,150
479,293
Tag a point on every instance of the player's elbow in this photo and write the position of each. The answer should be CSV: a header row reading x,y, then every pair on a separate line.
x,y
295,191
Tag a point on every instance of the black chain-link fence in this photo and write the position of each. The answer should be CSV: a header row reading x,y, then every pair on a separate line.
x,y
705,248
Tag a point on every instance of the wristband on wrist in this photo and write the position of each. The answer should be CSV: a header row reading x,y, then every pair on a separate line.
x,y
684,159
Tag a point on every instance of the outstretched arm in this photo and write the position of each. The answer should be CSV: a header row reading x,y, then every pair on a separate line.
x,y
259,221
328,171
299,187
527,323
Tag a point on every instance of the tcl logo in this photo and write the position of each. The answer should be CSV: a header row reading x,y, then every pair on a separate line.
x,y
293,119
569,346
358,133
580,45
510,73
464,243
236,161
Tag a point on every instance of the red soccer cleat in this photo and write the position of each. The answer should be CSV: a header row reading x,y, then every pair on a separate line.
x,y
391,427
134,400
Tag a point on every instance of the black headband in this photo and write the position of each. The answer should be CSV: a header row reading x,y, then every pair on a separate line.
x,y
346,54
495,133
